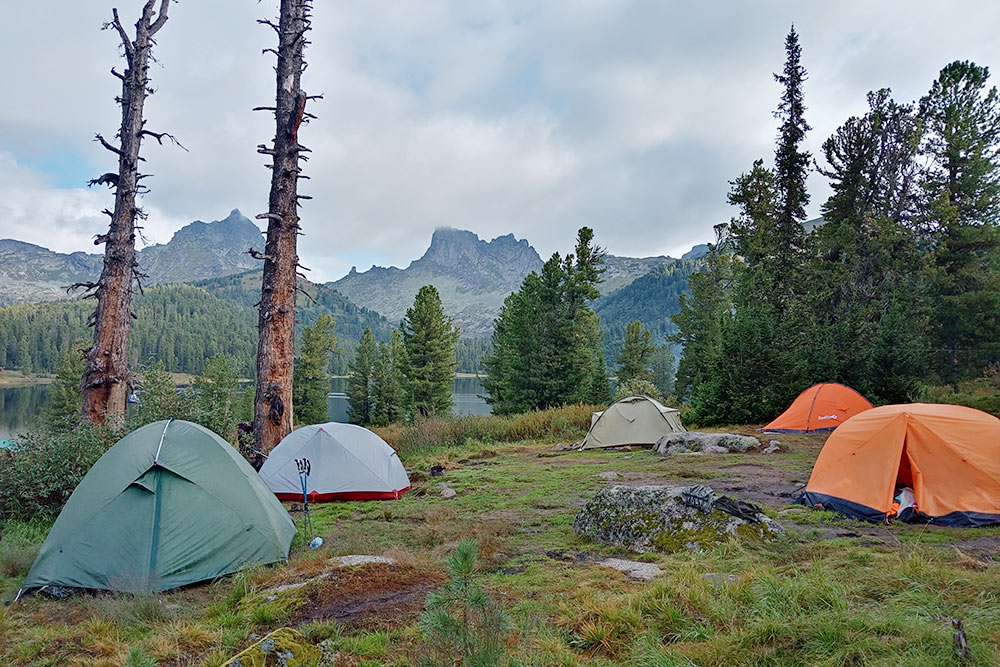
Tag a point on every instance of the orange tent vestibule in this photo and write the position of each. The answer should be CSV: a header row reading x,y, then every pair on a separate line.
x,y
821,407
949,455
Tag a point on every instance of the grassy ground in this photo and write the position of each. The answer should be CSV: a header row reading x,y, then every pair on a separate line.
x,y
833,592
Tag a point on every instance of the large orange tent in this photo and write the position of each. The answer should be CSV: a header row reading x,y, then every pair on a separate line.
x,y
949,455
821,407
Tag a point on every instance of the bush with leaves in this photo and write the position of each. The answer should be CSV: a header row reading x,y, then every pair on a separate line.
x,y
462,624
39,478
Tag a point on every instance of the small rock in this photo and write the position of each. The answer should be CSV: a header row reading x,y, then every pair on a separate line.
x,y
561,447
608,475
719,579
353,561
773,447
633,569
446,491
437,471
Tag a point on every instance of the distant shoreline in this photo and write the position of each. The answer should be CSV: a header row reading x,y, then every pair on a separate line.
x,y
19,379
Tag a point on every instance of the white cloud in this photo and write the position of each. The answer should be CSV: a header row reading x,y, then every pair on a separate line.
x,y
522,116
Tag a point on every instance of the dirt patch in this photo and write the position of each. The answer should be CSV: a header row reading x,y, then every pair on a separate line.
x,y
372,596
983,548
769,485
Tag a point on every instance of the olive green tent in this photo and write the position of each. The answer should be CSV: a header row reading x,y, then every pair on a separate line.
x,y
633,420
170,504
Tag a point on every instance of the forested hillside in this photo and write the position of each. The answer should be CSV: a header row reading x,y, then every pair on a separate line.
x,y
652,299
180,325
184,325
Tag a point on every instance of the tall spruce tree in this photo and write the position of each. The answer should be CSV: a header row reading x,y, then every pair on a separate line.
x,y
791,163
962,212
547,343
429,339
361,383
312,378
636,354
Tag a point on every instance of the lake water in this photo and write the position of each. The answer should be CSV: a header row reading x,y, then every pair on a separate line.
x,y
19,405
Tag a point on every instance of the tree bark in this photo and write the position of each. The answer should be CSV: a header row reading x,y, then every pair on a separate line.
x,y
276,348
107,378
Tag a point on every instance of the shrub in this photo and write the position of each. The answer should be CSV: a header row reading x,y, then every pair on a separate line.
x,y
38,479
462,622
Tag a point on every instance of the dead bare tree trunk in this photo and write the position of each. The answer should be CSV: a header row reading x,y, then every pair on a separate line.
x,y
276,349
107,378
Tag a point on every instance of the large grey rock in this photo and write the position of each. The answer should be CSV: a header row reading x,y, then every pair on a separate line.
x,y
709,443
670,518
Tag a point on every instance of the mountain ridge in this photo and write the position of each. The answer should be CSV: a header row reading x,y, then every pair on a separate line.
x,y
31,273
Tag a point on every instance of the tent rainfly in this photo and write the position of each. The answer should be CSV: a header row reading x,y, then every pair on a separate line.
x,y
347,462
821,407
170,504
633,420
945,458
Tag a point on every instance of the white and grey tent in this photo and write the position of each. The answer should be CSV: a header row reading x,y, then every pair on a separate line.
x,y
346,462
633,420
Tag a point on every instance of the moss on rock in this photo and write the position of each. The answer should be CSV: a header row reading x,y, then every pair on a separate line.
x,y
657,518
284,647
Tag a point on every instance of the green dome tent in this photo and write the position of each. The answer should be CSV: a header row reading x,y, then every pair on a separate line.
x,y
170,504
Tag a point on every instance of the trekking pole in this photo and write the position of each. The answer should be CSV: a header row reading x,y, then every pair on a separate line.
x,y
305,467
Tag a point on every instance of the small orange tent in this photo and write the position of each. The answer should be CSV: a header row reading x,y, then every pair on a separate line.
x,y
949,455
821,407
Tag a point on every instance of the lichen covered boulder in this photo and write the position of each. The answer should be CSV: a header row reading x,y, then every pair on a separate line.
x,y
284,647
670,518
691,442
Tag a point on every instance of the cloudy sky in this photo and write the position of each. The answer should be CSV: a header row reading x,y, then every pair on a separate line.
x,y
524,116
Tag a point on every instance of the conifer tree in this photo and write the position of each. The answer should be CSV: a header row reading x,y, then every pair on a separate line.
x,y
389,382
791,164
636,353
361,383
962,212
312,379
429,338
216,397
662,370
864,269
62,411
